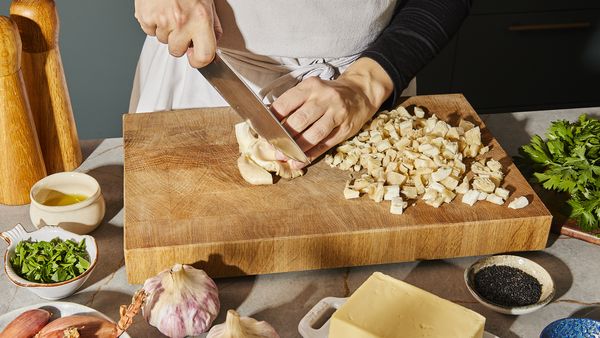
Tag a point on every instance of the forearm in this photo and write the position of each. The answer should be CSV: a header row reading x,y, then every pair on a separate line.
x,y
418,31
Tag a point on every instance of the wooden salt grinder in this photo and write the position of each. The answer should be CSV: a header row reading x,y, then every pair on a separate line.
x,y
46,85
21,162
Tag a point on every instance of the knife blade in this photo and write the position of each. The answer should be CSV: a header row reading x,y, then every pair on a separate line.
x,y
243,100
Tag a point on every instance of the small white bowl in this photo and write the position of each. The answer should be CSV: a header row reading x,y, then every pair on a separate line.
x,y
80,218
523,264
51,291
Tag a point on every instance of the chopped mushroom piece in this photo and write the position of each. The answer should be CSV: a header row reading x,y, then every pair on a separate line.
x,y
391,191
349,192
484,184
419,112
482,195
441,174
470,197
397,206
494,165
410,192
414,155
502,193
518,203
463,187
465,125
450,182
493,198
378,192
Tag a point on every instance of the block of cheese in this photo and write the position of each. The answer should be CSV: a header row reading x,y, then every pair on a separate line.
x,y
384,307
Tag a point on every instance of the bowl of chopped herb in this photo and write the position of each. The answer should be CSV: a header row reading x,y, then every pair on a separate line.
x,y
51,262
510,284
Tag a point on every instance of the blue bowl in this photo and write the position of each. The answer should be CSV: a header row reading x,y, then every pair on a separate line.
x,y
572,328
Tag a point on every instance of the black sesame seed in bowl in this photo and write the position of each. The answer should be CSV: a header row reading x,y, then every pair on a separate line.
x,y
509,284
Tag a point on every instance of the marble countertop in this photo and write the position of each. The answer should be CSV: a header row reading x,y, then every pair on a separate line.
x,y
283,299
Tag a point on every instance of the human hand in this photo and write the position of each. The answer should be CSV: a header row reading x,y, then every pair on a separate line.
x,y
320,114
189,27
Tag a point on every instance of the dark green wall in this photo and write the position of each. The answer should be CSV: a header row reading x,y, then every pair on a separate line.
x,y
100,42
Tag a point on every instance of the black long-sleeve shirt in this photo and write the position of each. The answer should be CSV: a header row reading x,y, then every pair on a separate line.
x,y
418,30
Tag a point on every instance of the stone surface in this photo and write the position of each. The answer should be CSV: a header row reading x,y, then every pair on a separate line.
x,y
283,299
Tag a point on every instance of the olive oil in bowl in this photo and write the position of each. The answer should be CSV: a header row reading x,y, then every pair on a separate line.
x,y
58,199
70,200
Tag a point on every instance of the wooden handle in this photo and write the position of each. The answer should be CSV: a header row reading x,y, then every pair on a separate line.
x,y
10,47
21,163
50,102
38,24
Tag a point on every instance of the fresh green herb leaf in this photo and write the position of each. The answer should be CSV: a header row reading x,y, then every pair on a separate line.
x,y
569,161
50,262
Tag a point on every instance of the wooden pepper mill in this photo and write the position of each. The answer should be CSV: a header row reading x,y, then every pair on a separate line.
x,y
46,85
21,162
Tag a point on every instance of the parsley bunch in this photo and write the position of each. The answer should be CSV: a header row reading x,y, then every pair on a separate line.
x,y
50,262
569,161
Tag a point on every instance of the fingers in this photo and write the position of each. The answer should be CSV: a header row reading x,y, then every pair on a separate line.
x,y
218,29
334,138
317,132
205,42
179,42
303,117
181,24
162,34
148,29
198,41
289,101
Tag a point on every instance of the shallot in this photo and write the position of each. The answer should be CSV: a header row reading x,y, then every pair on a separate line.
x,y
27,324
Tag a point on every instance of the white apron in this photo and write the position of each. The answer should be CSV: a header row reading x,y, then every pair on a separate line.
x,y
272,45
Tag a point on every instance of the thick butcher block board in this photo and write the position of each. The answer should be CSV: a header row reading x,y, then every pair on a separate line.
x,y
186,202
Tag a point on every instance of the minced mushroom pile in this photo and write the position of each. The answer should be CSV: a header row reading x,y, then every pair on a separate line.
x,y
410,156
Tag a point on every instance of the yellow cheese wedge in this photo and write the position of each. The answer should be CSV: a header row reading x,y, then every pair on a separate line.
x,y
384,307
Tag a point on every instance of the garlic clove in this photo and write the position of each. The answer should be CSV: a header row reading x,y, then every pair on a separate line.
x,y
242,327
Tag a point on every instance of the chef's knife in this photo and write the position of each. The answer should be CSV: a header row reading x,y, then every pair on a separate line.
x,y
243,100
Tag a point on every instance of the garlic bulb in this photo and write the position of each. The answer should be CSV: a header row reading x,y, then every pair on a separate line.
x,y
182,301
242,327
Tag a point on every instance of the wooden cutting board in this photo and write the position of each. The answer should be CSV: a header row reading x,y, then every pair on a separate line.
x,y
185,201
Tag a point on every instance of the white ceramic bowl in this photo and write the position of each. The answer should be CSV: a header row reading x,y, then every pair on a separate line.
x,y
524,265
51,291
80,218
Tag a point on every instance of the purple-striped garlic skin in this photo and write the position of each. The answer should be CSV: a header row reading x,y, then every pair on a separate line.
x,y
181,301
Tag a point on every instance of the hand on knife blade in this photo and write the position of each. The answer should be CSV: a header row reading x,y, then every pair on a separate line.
x,y
243,100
